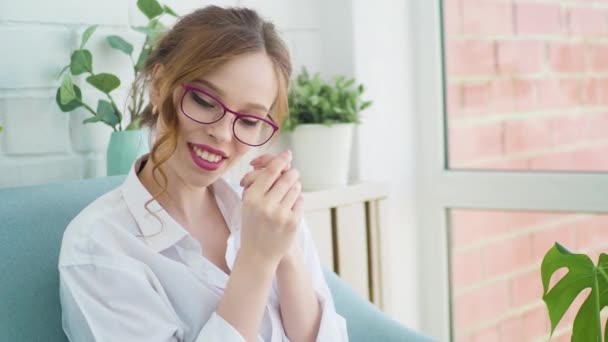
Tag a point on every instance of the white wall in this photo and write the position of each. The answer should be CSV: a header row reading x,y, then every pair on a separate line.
x,y
368,40
386,150
40,143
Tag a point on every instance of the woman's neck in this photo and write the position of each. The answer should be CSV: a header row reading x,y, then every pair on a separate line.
x,y
184,203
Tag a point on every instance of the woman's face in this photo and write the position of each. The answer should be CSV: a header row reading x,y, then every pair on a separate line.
x,y
246,84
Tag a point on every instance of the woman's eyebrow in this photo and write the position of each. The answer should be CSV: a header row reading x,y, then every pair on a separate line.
x,y
218,91
211,86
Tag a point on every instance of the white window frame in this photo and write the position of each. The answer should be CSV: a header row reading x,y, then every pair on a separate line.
x,y
441,189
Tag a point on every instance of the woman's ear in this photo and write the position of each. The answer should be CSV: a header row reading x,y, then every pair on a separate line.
x,y
157,74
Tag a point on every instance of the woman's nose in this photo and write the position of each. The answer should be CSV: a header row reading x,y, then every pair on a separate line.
x,y
222,129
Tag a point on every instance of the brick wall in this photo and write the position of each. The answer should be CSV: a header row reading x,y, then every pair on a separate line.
x,y
527,84
527,89
40,143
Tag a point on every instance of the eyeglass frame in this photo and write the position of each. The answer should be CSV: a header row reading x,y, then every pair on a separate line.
x,y
189,87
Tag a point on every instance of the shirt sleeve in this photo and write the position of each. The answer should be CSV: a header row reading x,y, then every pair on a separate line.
x,y
332,326
103,302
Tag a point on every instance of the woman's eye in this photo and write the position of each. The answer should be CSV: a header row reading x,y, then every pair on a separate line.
x,y
200,101
249,123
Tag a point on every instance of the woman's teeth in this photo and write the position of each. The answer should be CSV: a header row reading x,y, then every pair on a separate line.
x,y
210,157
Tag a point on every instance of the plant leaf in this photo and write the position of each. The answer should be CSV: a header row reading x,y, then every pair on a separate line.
x,y
105,113
169,11
581,274
66,91
87,34
70,106
119,43
81,62
150,8
104,82
63,70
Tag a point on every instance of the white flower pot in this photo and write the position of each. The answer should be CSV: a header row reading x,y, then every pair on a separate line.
x,y
322,154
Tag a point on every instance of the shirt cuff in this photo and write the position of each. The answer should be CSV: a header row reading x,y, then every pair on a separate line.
x,y
332,326
217,329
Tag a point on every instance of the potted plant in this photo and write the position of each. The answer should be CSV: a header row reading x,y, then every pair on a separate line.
x,y
320,125
582,274
126,142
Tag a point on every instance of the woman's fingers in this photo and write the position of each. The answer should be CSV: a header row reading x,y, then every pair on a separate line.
x,y
266,177
282,185
259,163
289,200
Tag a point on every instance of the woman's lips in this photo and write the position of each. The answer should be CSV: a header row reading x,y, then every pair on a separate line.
x,y
204,164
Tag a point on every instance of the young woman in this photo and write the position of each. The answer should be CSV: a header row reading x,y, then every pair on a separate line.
x,y
176,253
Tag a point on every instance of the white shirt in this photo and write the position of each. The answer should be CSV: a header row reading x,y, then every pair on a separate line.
x,y
118,285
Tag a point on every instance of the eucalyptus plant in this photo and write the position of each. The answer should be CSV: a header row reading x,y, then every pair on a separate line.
x,y
312,100
69,95
582,274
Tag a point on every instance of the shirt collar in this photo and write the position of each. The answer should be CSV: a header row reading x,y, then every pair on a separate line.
x,y
163,231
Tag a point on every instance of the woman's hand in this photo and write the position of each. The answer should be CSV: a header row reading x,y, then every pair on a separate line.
x,y
272,207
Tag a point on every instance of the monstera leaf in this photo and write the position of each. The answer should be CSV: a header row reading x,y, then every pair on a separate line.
x,y
582,274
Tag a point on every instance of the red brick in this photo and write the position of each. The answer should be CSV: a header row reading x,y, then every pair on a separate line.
x,y
503,95
507,256
598,126
520,57
485,17
506,164
526,289
482,305
466,268
467,143
486,335
454,100
567,130
468,58
543,240
584,159
598,57
588,21
511,329
471,226
558,93
567,57
525,135
536,323
532,18
477,97
591,234
525,94
452,17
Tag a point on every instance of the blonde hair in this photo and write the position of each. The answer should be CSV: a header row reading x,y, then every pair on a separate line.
x,y
196,45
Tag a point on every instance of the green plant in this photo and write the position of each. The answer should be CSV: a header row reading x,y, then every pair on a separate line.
x,y
69,95
582,274
313,100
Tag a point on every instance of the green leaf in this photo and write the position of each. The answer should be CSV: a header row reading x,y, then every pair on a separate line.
x,y
582,274
150,8
66,91
63,70
365,105
105,114
87,34
154,31
119,43
70,106
169,11
104,82
81,62
1,128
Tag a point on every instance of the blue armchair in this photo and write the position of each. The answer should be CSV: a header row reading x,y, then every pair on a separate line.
x,y
32,220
